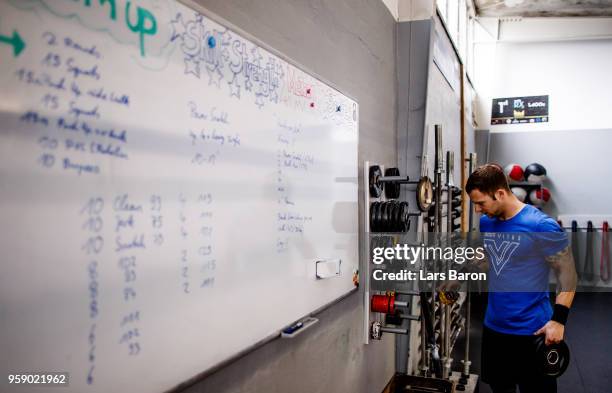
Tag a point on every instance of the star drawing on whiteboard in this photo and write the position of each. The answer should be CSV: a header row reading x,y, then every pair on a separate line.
x,y
214,76
192,66
178,27
234,87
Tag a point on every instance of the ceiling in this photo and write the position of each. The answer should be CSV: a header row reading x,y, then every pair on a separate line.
x,y
541,8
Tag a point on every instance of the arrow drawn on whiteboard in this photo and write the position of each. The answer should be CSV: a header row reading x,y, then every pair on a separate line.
x,y
15,41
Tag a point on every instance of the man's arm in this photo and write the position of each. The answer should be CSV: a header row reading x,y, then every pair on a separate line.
x,y
473,265
477,265
565,270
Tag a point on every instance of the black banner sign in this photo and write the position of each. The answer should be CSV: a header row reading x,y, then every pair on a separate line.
x,y
514,110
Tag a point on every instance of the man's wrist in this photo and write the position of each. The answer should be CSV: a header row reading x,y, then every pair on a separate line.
x,y
560,314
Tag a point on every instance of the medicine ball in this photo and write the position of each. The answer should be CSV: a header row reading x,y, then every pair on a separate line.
x,y
539,197
514,172
520,193
535,173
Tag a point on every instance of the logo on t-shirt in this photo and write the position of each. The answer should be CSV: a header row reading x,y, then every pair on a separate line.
x,y
500,252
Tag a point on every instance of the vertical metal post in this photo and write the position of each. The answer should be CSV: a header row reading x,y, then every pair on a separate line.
x,y
438,177
466,361
439,169
446,322
472,165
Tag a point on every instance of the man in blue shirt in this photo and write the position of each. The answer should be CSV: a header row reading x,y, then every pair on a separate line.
x,y
522,244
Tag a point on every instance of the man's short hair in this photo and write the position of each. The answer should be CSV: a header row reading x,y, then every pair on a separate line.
x,y
487,179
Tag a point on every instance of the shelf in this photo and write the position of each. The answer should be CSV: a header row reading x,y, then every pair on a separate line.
x,y
525,184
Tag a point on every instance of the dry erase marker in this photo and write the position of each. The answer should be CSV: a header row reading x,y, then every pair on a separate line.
x,y
291,329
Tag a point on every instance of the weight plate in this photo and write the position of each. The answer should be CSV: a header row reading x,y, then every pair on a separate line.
x,y
372,216
553,359
389,216
376,186
424,194
404,219
396,217
385,217
390,207
378,217
392,190
393,319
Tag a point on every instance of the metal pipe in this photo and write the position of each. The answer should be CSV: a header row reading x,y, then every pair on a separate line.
x,y
466,361
424,360
397,179
439,168
445,324
438,176
393,330
410,293
472,165
399,303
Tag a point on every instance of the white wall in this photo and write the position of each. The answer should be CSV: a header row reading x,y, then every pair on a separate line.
x,y
571,61
415,9
577,76
575,73
393,7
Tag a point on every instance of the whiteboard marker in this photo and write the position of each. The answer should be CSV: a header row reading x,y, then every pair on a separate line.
x,y
291,329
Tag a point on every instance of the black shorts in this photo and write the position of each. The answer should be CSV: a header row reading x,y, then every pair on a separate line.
x,y
509,360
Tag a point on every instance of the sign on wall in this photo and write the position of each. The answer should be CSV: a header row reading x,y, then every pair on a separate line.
x,y
514,110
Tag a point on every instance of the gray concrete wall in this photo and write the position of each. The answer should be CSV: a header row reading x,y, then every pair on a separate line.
x,y
350,43
413,64
577,165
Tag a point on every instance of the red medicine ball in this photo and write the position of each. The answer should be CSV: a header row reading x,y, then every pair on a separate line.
x,y
539,197
514,172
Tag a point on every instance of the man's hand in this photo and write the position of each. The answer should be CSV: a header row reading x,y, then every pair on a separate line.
x,y
449,286
553,332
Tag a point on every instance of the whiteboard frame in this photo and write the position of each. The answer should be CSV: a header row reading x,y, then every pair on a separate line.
x,y
216,18
191,4
266,340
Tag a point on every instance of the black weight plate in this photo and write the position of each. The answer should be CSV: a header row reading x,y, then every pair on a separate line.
x,y
553,359
388,221
385,217
372,223
396,217
424,194
378,217
390,208
376,187
404,219
399,215
391,211
393,319
392,190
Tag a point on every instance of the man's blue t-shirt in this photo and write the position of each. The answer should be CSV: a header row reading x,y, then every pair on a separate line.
x,y
518,272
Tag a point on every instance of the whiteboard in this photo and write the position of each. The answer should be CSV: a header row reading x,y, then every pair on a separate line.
x,y
167,186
